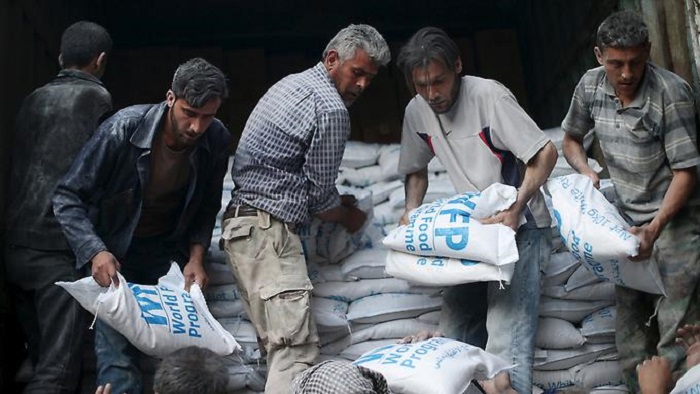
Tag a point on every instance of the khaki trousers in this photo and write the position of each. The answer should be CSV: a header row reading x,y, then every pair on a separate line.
x,y
270,269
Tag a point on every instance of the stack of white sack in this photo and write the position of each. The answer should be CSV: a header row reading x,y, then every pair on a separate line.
x,y
576,334
374,168
363,308
445,244
575,343
247,369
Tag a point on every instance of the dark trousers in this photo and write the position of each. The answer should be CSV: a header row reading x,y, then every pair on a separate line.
x,y
52,320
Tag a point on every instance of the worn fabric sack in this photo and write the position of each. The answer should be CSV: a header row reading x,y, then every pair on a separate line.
x,y
437,366
448,228
156,319
391,306
598,236
688,383
440,271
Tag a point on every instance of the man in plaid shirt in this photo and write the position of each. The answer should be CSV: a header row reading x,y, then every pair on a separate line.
x,y
285,170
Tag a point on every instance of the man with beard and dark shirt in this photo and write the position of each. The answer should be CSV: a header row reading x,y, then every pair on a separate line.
x,y
52,125
143,192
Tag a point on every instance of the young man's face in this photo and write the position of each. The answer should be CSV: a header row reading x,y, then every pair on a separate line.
x,y
188,123
624,67
352,76
437,84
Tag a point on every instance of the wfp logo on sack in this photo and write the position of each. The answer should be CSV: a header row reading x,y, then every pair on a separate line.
x,y
442,221
161,306
152,311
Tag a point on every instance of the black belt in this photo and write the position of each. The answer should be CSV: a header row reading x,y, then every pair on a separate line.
x,y
240,210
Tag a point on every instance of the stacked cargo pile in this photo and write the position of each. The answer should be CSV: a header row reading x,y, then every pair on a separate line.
x,y
358,306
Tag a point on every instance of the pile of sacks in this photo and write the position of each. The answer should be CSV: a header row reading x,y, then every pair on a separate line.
x,y
381,284
359,307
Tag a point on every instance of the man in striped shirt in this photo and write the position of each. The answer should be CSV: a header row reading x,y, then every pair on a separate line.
x,y
285,170
644,117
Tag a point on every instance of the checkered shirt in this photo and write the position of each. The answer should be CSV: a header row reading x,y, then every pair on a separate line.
x,y
643,142
339,377
288,156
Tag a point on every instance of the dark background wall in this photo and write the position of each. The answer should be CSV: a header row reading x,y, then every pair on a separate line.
x,y
537,48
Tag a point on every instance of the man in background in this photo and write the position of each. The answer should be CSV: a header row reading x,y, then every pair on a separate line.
x,y
53,124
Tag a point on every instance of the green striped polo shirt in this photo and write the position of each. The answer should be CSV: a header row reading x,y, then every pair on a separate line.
x,y
643,142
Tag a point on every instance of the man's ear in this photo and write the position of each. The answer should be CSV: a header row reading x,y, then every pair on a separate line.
x,y
101,60
598,55
332,60
458,65
170,98
100,65
60,60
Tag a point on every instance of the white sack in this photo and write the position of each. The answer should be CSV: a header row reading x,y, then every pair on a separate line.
x,y
600,322
438,271
553,333
598,236
599,373
366,264
592,292
351,291
390,306
329,314
156,319
559,269
689,383
436,366
438,188
382,190
571,310
359,154
553,381
447,228
563,359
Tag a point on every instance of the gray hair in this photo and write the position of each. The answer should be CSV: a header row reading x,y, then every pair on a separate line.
x,y
197,81
364,37
191,370
624,29
426,45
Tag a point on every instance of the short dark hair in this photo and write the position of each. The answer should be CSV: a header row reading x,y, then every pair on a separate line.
x,y
191,370
197,81
83,41
426,45
624,29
